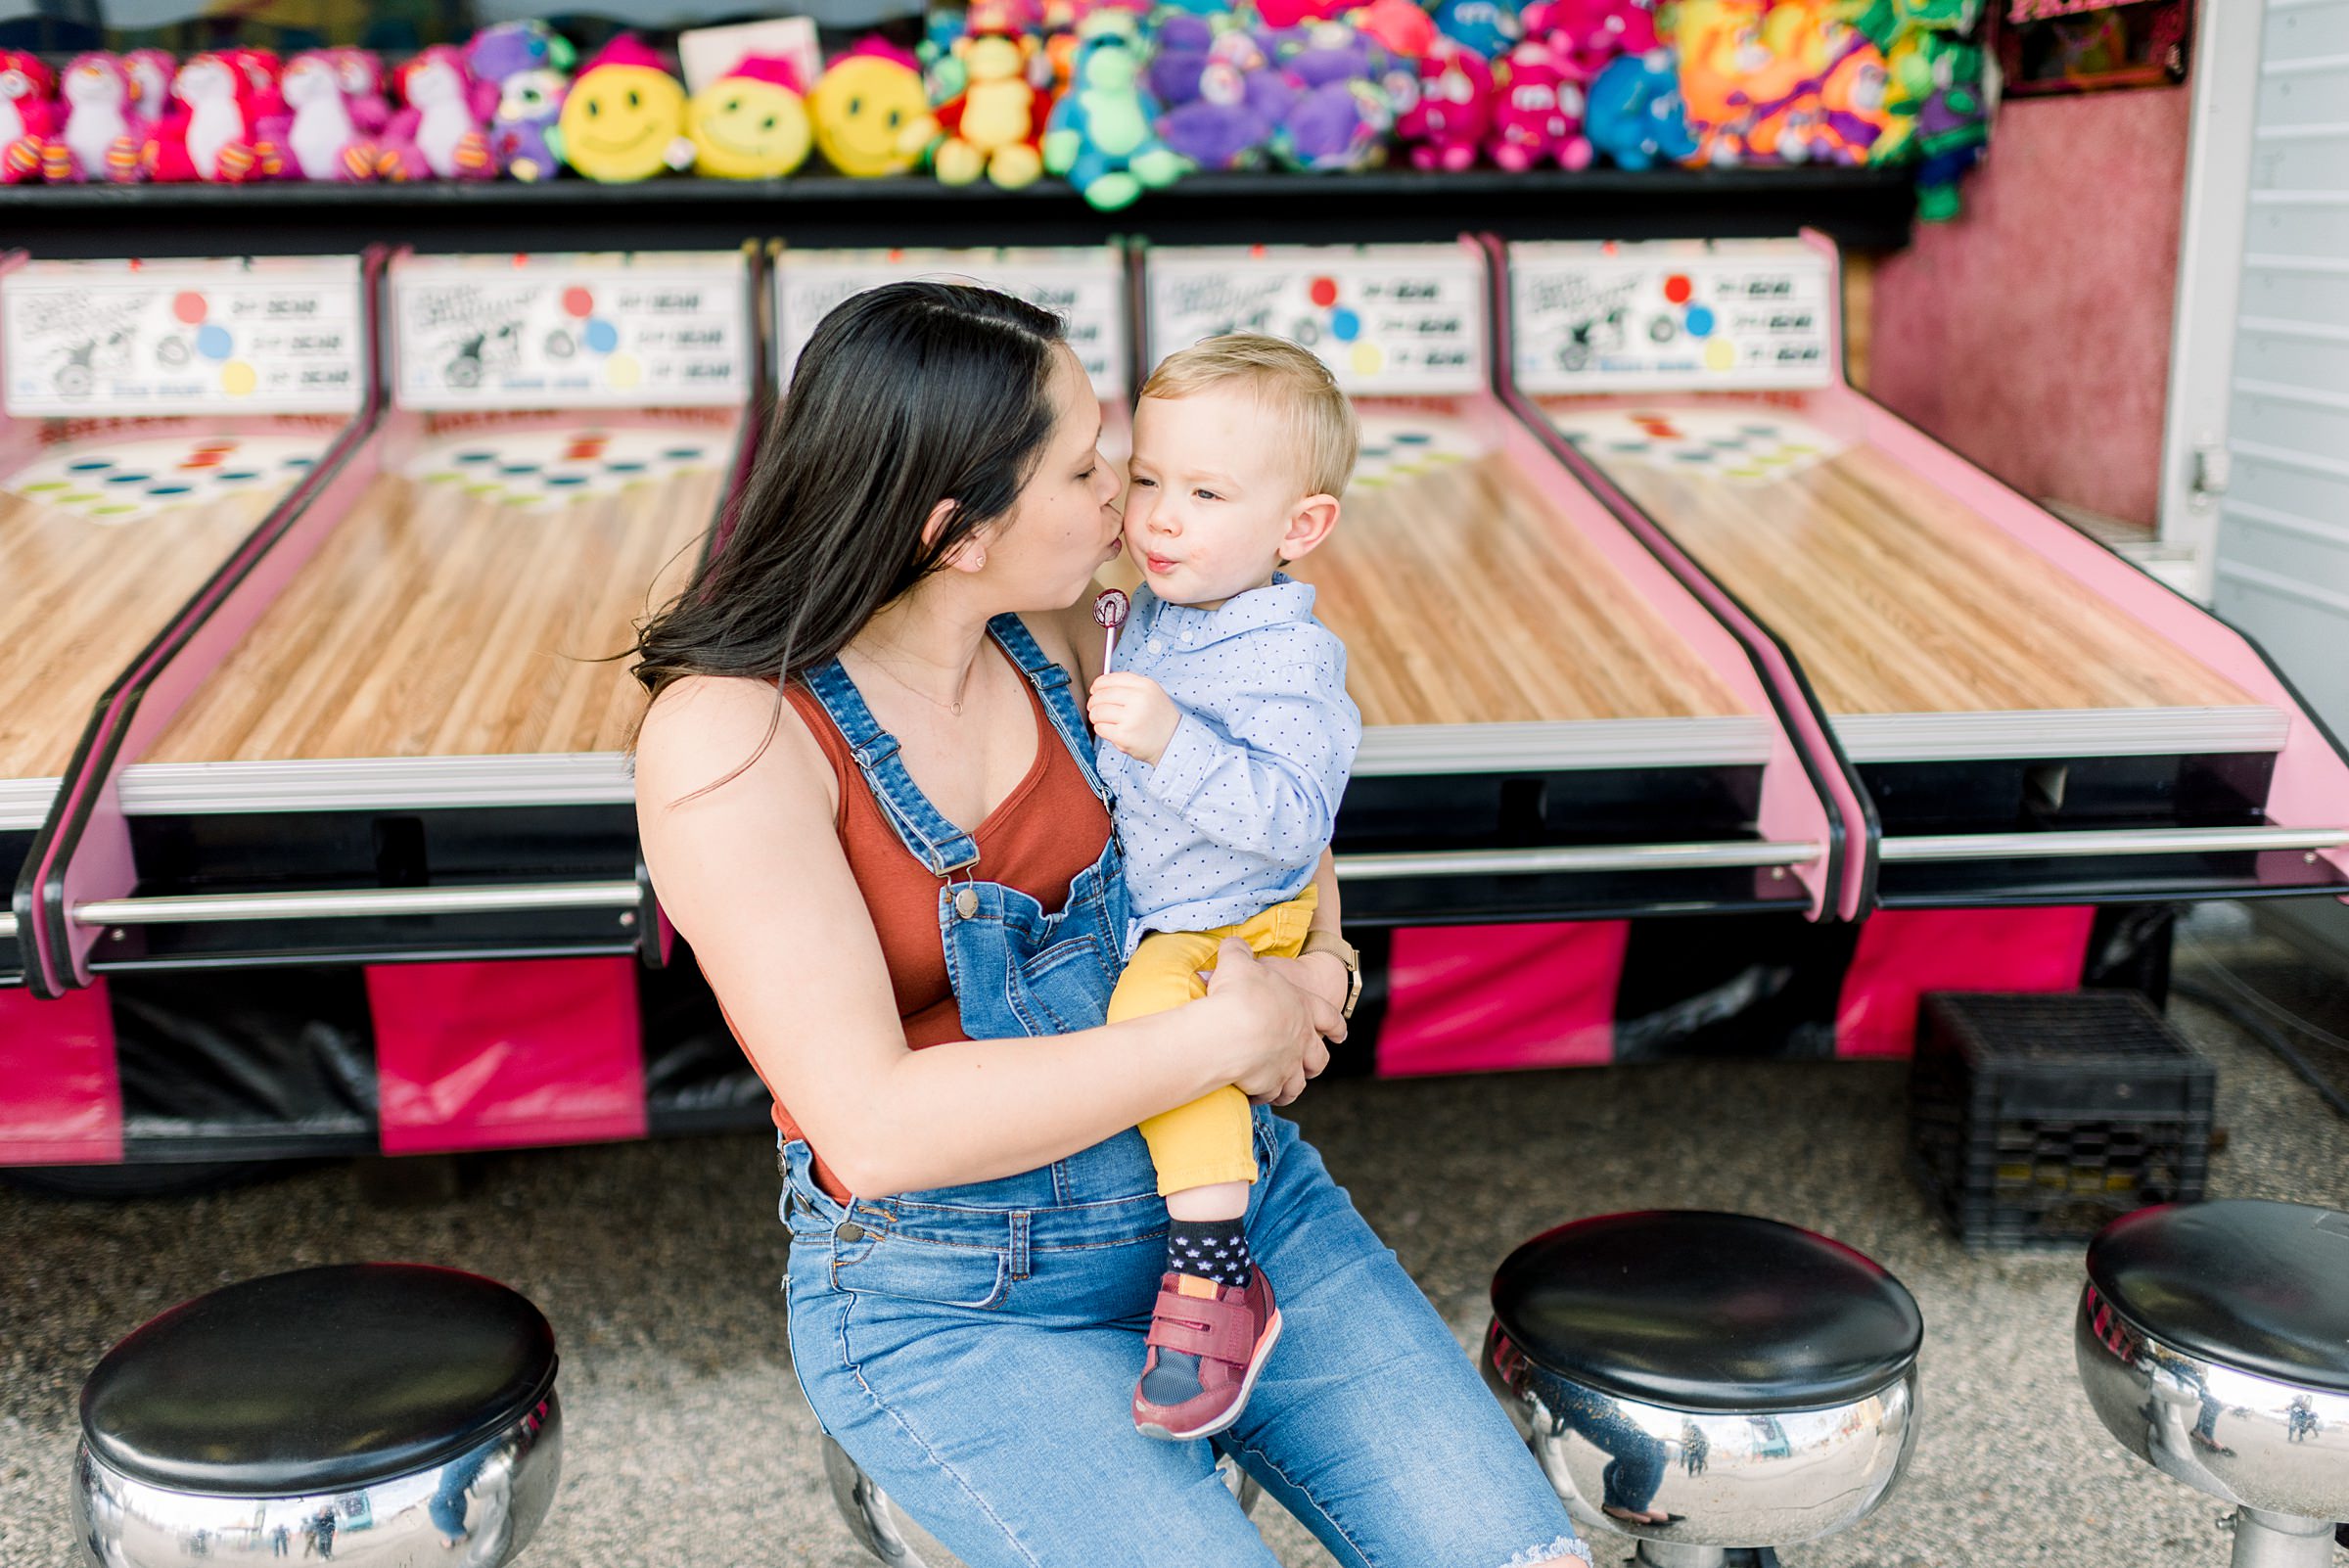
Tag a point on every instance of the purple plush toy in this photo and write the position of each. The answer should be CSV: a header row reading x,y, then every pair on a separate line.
x,y
1342,112
1179,56
1234,105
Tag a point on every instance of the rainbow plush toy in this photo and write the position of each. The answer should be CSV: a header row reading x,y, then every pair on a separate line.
x,y
995,124
624,119
749,124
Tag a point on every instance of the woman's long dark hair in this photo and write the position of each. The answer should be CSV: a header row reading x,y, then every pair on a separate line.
x,y
906,395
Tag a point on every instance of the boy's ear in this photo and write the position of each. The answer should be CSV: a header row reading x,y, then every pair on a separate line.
x,y
1308,524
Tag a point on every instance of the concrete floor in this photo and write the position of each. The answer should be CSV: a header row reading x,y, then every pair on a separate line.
x,y
688,1444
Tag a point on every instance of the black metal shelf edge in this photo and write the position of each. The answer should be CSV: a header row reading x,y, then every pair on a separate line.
x,y
1859,206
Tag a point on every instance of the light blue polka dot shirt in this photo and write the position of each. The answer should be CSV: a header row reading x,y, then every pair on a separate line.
x,y
1234,819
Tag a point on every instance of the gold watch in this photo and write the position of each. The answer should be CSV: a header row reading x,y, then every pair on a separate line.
x,y
1319,941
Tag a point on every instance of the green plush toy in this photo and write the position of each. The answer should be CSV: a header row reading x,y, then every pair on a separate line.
x,y
1099,137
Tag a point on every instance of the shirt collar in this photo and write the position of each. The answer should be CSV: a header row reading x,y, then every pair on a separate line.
x,y
1282,602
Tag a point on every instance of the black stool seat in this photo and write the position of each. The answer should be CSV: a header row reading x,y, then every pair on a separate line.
x,y
319,1380
1707,1312
2257,1286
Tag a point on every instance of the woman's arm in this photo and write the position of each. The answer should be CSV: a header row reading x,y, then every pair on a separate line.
x,y
753,875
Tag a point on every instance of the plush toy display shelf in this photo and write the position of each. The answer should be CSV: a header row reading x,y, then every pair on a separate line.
x,y
1866,208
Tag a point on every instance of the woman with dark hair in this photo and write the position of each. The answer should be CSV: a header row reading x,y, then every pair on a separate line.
x,y
867,794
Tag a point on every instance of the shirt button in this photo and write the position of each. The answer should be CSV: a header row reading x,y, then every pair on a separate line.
x,y
966,903
849,1230
1153,645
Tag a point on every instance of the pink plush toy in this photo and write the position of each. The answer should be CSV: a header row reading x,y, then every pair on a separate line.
x,y
27,115
151,75
209,133
1407,30
362,74
1446,125
1538,112
440,131
102,133
1284,14
1587,34
323,142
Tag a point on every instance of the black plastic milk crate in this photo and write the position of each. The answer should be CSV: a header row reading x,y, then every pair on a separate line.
x,y
2036,1117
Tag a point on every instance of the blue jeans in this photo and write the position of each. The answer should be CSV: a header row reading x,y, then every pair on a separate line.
x,y
975,1350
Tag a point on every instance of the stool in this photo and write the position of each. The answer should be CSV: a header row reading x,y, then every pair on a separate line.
x,y
401,1413
2213,1340
885,1529
1730,1385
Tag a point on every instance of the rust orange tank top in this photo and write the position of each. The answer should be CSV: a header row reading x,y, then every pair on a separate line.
x,y
1047,830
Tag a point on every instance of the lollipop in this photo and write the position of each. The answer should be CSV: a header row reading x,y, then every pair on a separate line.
x,y
1109,609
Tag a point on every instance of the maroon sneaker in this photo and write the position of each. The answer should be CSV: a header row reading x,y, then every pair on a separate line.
x,y
1205,1351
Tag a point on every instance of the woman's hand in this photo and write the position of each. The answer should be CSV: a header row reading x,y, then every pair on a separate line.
x,y
1275,1027
1322,976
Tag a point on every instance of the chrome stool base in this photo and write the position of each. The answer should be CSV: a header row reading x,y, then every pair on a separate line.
x,y
888,1533
476,1511
2264,1539
2240,1393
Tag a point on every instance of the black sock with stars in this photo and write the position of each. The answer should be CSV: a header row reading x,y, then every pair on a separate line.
x,y
1210,1249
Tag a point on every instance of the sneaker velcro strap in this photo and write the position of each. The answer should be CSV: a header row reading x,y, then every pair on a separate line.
x,y
1194,1325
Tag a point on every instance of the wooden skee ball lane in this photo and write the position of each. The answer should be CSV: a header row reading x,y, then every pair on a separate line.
x,y
1895,597
106,538
460,609
1464,596
1552,726
2030,718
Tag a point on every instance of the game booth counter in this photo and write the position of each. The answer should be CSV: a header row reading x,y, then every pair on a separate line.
x,y
385,767
2028,718
162,426
1599,815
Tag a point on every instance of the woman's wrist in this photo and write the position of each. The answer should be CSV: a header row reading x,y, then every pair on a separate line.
x,y
1327,975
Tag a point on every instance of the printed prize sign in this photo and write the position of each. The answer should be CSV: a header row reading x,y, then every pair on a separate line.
x,y
646,331
1084,287
1400,320
266,336
1670,315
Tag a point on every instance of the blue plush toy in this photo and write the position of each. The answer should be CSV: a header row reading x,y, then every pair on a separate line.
x,y
1489,27
1635,115
1100,135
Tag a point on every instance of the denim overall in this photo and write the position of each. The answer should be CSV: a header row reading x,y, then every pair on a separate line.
x,y
975,1348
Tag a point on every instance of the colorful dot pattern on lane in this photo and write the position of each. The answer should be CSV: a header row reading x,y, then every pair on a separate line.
x,y
118,482
534,468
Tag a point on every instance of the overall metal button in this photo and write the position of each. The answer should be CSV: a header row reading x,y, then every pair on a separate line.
x,y
849,1230
966,903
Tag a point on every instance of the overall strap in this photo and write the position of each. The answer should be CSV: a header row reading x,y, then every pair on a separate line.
x,y
928,835
1052,683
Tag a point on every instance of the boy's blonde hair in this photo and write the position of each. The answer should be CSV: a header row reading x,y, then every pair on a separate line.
x,y
1297,388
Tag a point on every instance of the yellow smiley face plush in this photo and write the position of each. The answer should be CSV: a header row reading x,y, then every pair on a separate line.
x,y
861,108
749,124
624,118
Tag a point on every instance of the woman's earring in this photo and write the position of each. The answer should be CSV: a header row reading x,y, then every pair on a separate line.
x,y
980,563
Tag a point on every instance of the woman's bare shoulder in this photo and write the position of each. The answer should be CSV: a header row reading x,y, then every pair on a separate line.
x,y
719,734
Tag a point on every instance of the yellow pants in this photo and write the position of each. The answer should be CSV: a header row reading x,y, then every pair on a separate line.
x,y
1211,1139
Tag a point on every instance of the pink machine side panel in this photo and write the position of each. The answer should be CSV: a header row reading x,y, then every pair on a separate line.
x,y
507,1054
1902,953
100,866
1495,998
61,1097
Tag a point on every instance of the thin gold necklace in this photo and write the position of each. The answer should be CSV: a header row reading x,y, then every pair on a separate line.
x,y
954,708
